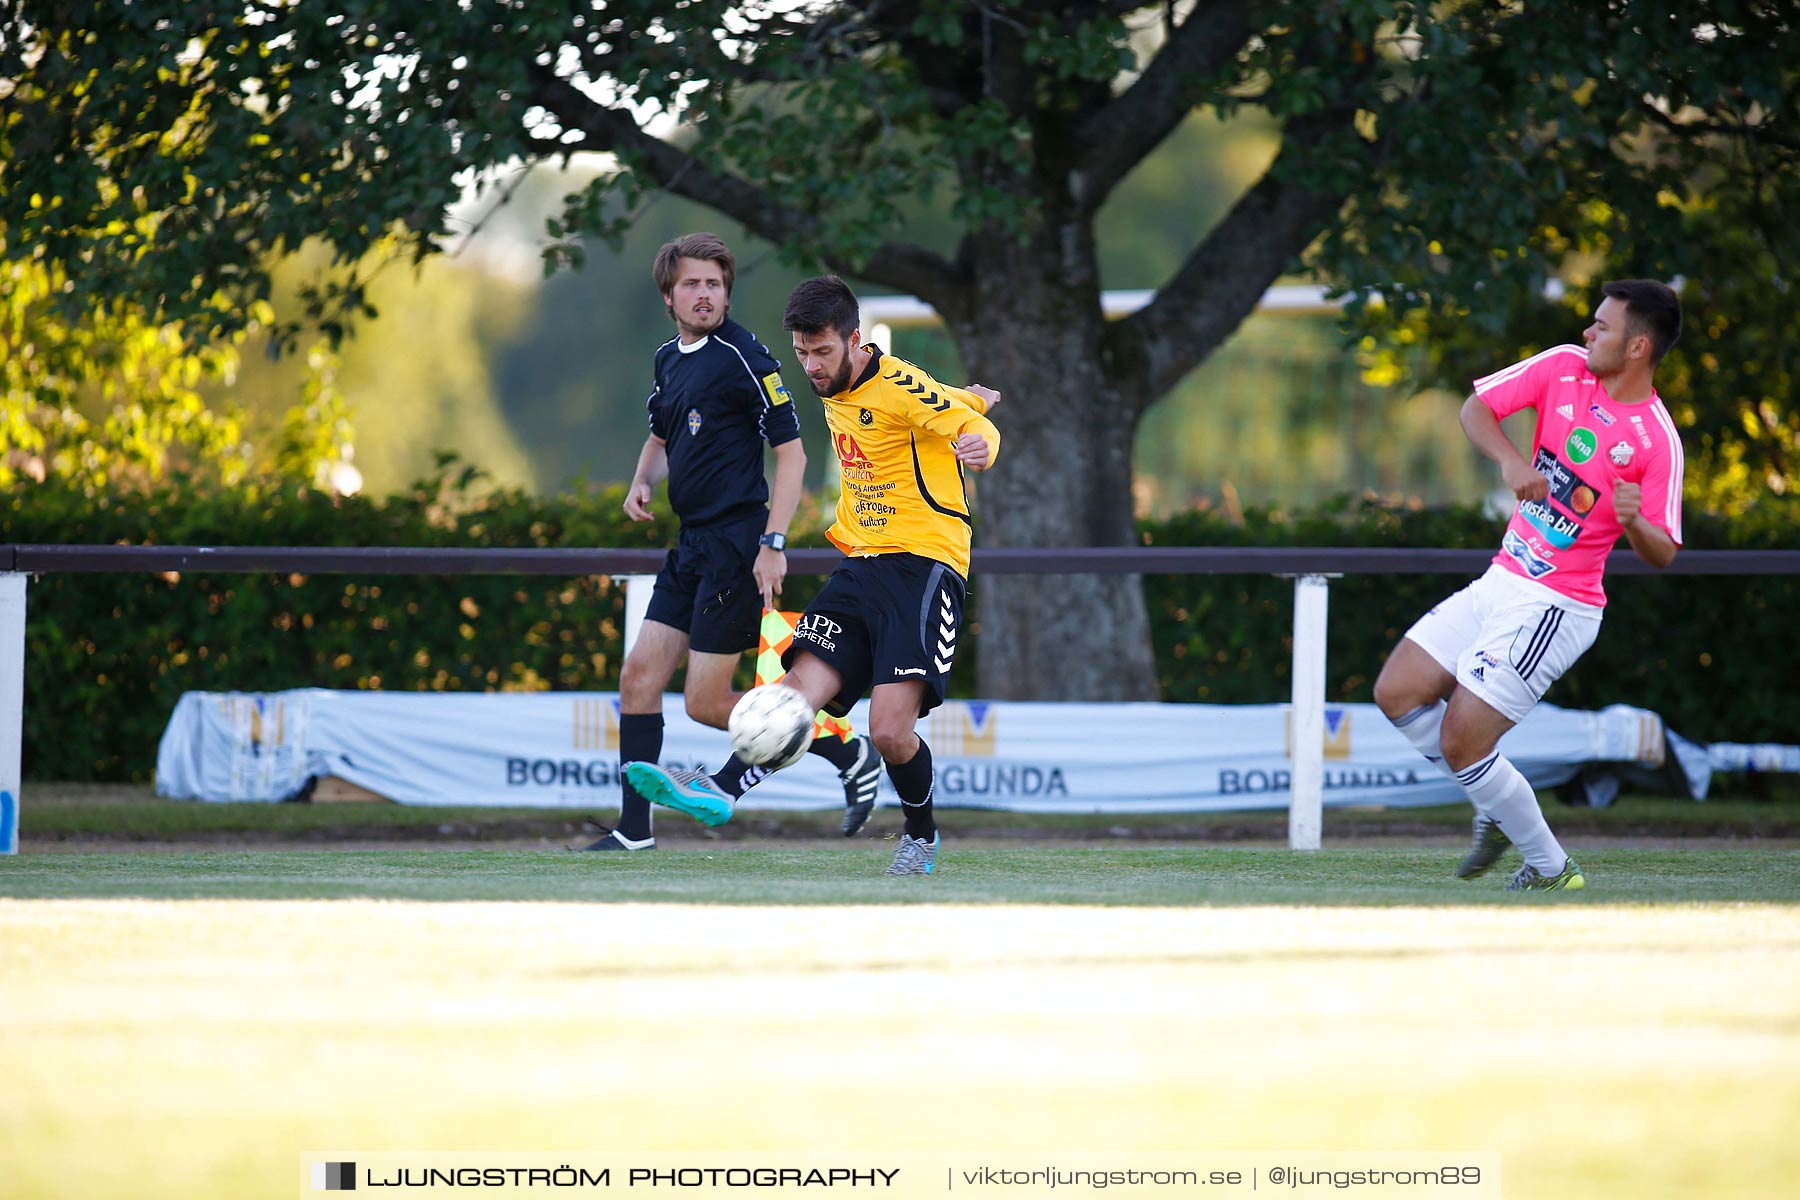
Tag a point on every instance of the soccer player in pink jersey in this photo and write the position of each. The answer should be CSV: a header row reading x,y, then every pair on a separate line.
x,y
1606,460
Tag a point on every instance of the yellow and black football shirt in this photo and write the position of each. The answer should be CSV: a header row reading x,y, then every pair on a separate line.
x,y
903,487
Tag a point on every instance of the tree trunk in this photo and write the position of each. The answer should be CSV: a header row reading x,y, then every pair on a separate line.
x,y
1063,478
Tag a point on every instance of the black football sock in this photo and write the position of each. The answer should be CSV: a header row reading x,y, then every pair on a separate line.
x,y
737,776
640,740
912,782
835,750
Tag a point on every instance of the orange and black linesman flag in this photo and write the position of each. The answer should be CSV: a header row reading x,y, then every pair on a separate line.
x,y
776,636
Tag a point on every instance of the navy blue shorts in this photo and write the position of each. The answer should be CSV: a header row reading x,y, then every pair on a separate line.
x,y
707,587
884,619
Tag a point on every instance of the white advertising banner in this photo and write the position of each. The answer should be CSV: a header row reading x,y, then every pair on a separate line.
x,y
561,749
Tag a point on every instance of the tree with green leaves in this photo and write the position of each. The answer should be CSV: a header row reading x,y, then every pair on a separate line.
x,y
107,398
111,396
1445,157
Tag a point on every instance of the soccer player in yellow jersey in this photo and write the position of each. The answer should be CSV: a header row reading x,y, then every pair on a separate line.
x,y
888,618
718,400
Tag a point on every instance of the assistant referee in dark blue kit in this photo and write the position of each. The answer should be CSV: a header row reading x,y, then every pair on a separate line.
x,y
718,397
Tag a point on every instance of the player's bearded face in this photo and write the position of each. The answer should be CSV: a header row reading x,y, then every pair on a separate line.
x,y
825,357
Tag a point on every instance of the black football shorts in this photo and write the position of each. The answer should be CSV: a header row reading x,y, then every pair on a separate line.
x,y
882,619
707,587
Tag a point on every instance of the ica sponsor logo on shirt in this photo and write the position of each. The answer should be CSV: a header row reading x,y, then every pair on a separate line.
x,y
849,453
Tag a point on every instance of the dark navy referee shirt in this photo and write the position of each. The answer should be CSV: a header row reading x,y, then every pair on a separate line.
x,y
715,403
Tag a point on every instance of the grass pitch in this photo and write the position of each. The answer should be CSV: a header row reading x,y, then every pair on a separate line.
x,y
838,873
184,1024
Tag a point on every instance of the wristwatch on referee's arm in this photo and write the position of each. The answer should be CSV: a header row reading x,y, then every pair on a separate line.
x,y
774,541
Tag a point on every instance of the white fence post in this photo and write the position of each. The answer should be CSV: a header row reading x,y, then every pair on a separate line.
x,y
1306,800
637,603
12,704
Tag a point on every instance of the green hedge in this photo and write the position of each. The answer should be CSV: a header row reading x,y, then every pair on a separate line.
x,y
1714,655
108,655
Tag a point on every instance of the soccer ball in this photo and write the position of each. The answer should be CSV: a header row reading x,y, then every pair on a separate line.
x,y
771,726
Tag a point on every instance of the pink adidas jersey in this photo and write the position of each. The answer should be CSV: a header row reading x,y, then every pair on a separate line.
x,y
1586,442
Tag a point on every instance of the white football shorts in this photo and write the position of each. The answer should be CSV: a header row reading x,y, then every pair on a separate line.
x,y
1507,638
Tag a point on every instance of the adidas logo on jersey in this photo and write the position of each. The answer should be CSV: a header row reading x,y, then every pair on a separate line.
x,y
1566,411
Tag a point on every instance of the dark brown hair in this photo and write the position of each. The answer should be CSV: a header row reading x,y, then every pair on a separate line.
x,y
706,246
1651,308
821,303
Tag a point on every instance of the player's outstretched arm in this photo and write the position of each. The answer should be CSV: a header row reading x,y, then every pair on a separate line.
x,y
1651,544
